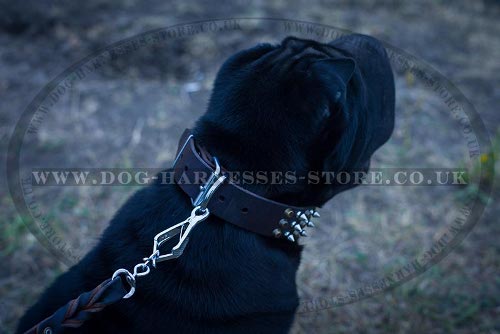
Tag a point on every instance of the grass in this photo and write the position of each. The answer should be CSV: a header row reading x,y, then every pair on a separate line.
x,y
12,231
483,170
362,235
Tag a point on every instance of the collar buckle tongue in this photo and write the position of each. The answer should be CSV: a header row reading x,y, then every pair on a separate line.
x,y
207,190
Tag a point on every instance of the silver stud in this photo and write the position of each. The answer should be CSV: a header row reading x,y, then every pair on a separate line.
x,y
316,214
289,213
277,233
298,228
293,223
310,224
289,236
303,233
283,222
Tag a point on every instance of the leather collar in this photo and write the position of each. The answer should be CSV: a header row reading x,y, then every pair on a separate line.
x,y
235,204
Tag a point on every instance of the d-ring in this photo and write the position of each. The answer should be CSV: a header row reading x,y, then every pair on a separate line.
x,y
141,269
130,280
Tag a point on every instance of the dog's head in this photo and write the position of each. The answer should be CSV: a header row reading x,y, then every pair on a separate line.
x,y
298,106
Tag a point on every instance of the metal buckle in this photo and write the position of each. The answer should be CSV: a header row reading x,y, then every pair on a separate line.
x,y
182,150
207,190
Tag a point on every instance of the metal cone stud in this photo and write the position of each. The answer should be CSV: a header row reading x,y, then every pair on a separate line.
x,y
289,236
294,223
303,217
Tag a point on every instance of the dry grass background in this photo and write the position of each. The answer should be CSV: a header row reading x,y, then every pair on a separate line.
x,y
131,112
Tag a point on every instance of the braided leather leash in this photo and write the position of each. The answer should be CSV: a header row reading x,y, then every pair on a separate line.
x,y
77,311
112,290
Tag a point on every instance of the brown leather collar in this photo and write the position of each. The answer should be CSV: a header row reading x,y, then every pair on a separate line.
x,y
235,204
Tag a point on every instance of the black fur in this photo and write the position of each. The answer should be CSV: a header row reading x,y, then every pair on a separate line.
x,y
300,106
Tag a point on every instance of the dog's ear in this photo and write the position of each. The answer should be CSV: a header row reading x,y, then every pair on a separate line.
x,y
341,67
339,131
334,75
336,137
330,78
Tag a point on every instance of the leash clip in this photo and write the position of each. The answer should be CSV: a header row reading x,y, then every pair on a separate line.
x,y
198,214
182,229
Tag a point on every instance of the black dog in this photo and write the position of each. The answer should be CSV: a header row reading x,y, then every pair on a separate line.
x,y
299,106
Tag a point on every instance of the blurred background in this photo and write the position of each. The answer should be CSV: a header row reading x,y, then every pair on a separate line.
x,y
131,111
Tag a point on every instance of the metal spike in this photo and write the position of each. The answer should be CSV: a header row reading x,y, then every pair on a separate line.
x,y
293,223
303,233
310,224
283,222
289,236
277,233
303,217
316,214
298,228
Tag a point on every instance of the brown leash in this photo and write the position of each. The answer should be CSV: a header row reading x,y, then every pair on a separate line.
x,y
232,203
77,311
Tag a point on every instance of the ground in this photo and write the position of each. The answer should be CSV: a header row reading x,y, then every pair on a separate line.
x,y
131,112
